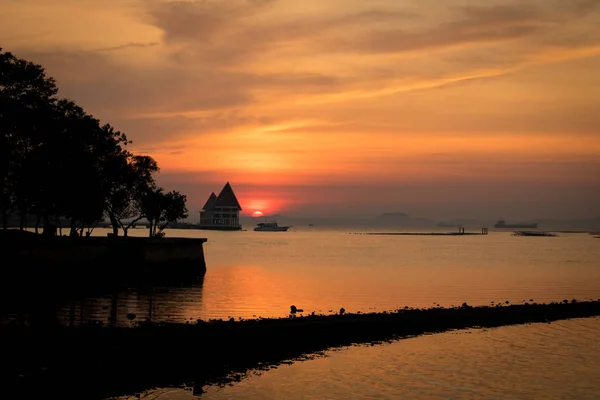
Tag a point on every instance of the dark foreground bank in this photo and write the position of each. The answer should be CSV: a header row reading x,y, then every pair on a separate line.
x,y
93,362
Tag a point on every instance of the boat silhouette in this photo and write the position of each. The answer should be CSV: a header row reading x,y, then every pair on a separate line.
x,y
270,227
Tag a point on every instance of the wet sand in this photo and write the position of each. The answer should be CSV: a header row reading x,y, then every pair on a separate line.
x,y
95,362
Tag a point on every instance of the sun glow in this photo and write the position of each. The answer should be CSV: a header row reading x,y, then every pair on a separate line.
x,y
257,214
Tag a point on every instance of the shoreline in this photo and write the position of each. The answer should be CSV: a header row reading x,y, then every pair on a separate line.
x,y
95,362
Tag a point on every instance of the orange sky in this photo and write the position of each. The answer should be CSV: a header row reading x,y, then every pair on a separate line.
x,y
447,108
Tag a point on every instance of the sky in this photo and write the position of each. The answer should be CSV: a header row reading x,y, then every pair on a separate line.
x,y
437,108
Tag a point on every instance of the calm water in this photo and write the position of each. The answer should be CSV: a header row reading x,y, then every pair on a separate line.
x,y
540,361
263,273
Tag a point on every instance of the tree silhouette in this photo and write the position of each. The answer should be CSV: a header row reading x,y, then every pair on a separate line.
x,y
163,208
27,96
134,180
59,164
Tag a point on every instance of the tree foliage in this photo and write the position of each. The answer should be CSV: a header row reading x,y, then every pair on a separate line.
x,y
161,209
59,163
124,205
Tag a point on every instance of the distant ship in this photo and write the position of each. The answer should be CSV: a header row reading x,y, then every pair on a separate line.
x,y
502,224
270,227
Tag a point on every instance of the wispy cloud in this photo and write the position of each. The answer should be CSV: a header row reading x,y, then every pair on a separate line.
x,y
123,47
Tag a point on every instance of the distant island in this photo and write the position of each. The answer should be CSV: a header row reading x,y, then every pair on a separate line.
x,y
502,224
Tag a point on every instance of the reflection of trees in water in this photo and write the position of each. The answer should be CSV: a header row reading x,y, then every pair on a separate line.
x,y
134,305
83,311
169,303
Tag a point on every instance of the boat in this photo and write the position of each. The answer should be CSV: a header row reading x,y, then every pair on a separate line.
x,y
502,224
270,227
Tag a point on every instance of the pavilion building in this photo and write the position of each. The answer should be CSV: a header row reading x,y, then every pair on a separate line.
x,y
221,212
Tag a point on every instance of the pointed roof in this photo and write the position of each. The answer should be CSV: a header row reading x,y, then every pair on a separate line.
x,y
210,203
227,198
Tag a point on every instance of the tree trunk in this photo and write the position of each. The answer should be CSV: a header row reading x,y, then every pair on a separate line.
x,y
90,229
115,224
73,231
22,221
49,228
37,223
150,228
114,308
125,229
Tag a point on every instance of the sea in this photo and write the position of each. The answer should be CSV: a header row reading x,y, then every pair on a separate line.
x,y
321,270
560,360
261,274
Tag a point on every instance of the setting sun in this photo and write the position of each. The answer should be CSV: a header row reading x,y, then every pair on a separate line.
x,y
257,214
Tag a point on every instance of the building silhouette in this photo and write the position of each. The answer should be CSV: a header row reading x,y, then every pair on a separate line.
x,y
221,212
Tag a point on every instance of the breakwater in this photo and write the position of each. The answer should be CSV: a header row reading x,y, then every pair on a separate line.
x,y
421,233
461,232
94,362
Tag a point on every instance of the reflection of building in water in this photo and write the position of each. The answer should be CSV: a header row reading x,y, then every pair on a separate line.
x,y
221,212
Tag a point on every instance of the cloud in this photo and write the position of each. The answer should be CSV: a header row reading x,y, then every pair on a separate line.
x,y
584,7
201,20
161,128
474,25
221,67
262,41
101,84
227,31
123,47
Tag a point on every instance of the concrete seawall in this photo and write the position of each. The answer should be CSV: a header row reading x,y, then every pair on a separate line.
x,y
49,266
59,251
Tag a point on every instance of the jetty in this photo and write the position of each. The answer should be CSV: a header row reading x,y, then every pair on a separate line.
x,y
534,233
96,362
461,232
